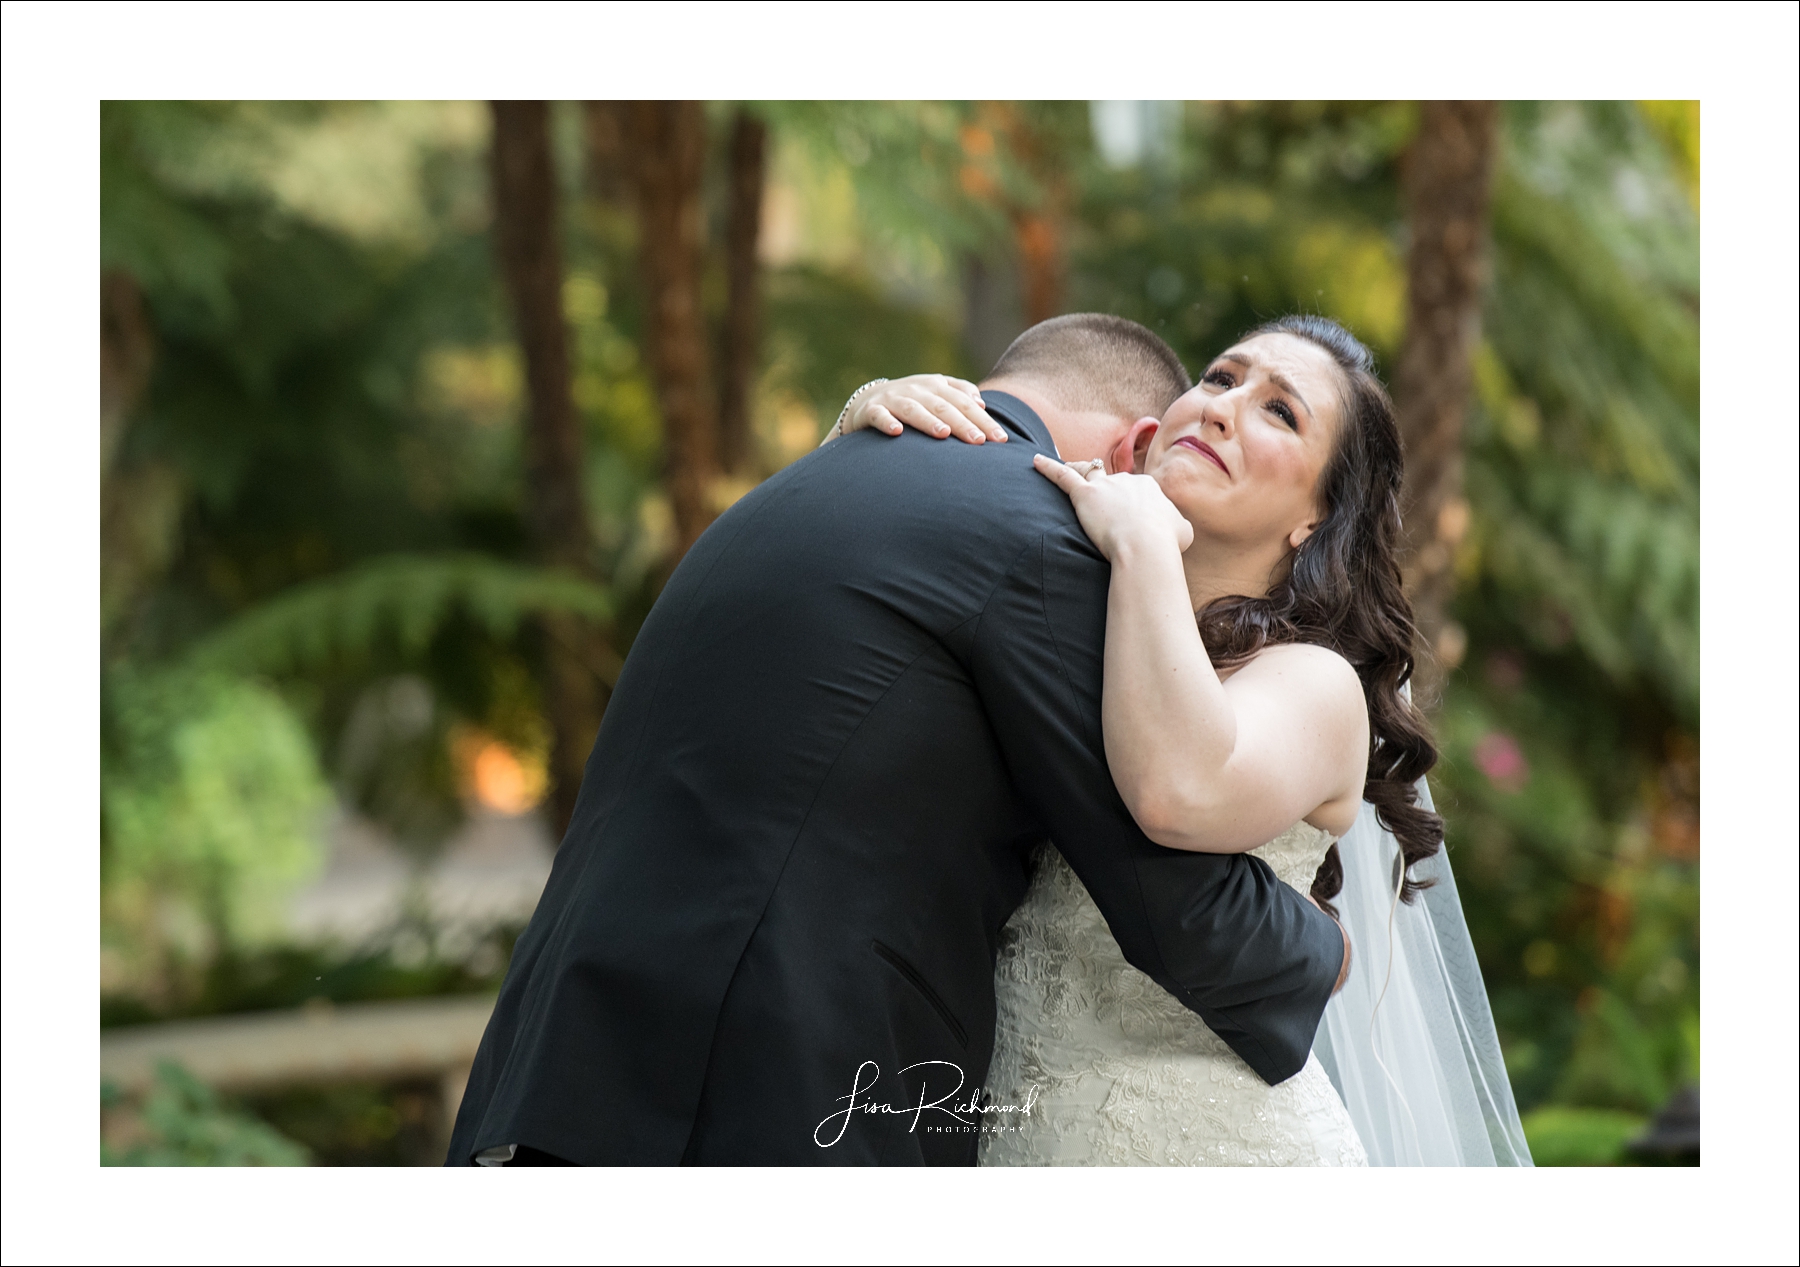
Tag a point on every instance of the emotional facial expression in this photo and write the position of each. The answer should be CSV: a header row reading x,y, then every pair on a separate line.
x,y
1241,454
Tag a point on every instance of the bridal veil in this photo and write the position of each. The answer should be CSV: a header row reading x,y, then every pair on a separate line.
x,y
1409,1041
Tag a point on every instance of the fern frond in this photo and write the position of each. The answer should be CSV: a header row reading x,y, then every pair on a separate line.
x,y
403,597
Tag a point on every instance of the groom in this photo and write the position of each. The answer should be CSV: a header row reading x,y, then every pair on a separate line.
x,y
865,696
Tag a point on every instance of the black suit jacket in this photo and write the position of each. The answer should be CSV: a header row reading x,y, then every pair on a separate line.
x,y
868,692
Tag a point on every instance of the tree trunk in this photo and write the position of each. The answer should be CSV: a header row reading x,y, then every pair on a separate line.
x,y
603,138
530,256
665,144
140,502
1037,225
743,302
1040,265
127,353
1447,179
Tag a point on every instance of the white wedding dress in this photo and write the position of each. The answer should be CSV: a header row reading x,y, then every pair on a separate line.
x,y
1117,1072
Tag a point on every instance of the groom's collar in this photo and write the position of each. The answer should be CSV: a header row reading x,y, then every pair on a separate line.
x,y
1019,418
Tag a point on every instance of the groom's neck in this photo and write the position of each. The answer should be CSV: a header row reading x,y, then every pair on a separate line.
x,y
1079,435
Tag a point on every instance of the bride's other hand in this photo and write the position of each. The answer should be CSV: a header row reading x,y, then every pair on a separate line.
x,y
1119,513
935,404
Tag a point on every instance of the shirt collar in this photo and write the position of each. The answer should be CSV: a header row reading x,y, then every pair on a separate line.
x,y
1020,419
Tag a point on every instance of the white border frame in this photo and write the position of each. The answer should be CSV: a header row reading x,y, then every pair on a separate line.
x,y
60,60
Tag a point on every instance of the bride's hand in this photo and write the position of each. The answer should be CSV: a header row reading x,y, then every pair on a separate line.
x,y
1118,512
935,404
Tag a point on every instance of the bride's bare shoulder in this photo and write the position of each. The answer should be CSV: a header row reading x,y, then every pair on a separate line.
x,y
1297,674
1310,664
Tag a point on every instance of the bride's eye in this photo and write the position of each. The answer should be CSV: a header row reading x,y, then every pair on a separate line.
x,y
1280,409
1219,378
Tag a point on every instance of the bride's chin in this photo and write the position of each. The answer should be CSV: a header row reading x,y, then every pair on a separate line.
x,y
1190,497
1215,527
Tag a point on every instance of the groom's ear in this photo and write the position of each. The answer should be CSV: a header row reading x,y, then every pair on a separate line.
x,y
1128,456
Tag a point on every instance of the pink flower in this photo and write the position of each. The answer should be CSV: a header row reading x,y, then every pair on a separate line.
x,y
1498,756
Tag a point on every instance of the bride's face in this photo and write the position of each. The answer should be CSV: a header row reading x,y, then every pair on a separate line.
x,y
1240,455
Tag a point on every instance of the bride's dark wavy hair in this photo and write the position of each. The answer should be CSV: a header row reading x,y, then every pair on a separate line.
x,y
1343,591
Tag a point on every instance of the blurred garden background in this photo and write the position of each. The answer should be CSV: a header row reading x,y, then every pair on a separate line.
x,y
408,409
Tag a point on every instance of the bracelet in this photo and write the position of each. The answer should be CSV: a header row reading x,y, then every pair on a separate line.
x,y
837,428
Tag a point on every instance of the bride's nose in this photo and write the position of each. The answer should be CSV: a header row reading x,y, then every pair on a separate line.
x,y
1220,412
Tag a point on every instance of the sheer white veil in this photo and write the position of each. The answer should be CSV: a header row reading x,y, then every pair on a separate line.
x,y
1415,1004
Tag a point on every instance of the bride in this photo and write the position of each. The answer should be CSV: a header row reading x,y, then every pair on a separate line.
x,y
1276,721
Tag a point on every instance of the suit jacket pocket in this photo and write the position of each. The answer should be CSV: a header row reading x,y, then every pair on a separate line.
x,y
917,980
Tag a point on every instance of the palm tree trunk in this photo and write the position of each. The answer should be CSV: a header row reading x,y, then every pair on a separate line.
x,y
665,144
530,256
743,300
1447,180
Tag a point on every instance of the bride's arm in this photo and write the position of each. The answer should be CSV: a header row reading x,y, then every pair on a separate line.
x,y
934,404
1203,764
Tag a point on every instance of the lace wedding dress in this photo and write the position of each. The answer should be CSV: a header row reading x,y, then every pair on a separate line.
x,y
1123,1075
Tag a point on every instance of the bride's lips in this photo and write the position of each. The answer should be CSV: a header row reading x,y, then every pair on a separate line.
x,y
1205,450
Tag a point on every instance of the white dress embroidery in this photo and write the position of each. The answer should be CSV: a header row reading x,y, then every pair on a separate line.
x,y
1123,1074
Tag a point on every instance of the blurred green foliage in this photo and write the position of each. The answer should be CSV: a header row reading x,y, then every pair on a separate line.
x,y
1580,589
183,1123
829,334
1561,1136
333,416
360,1123
211,788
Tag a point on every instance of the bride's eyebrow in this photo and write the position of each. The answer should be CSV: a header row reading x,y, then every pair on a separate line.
x,y
1275,376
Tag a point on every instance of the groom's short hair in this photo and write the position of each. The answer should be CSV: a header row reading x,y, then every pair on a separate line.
x,y
1093,361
